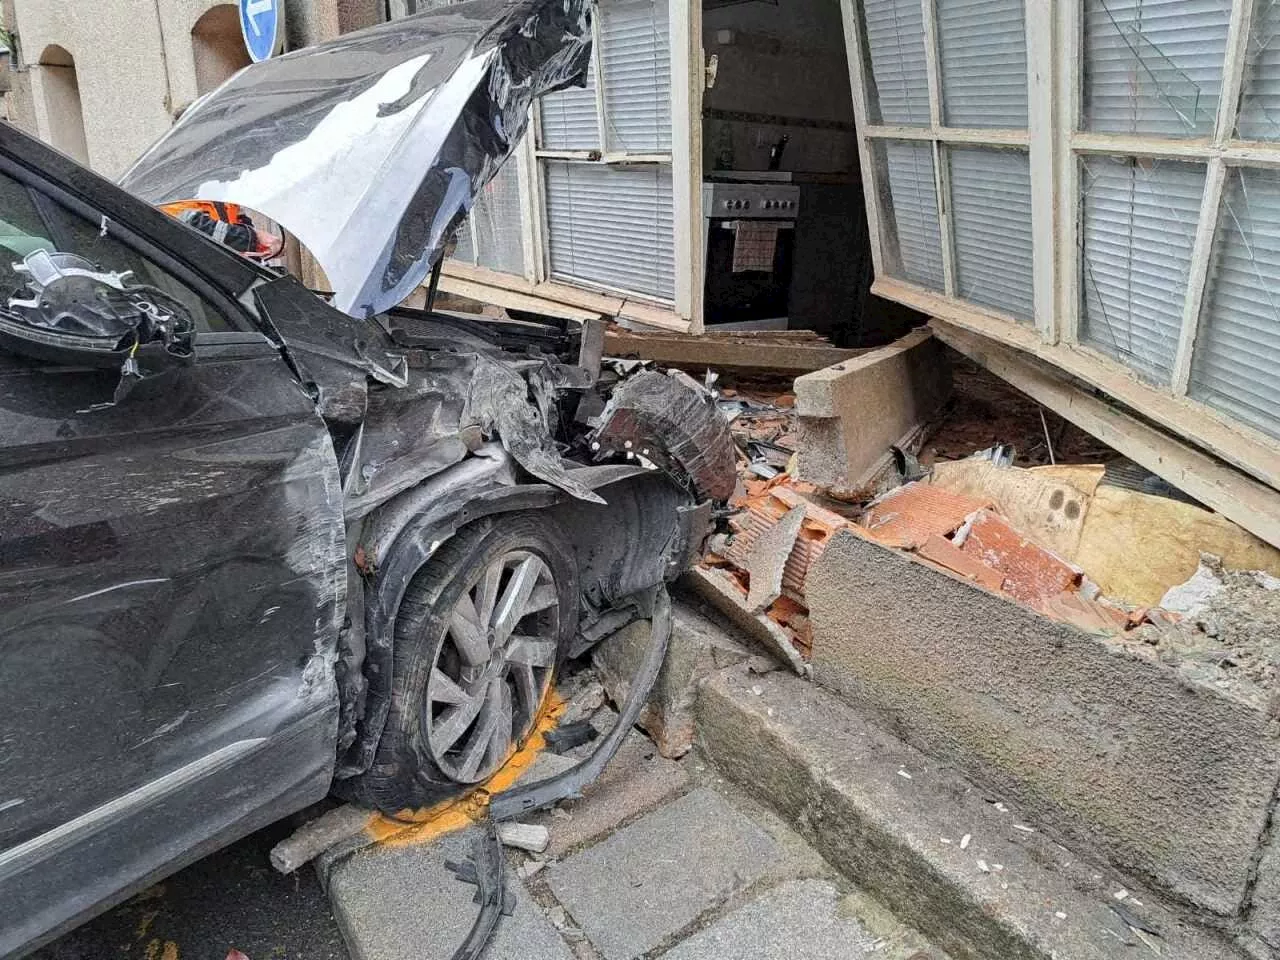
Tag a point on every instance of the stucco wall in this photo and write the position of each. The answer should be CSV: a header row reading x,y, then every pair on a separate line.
x,y
134,62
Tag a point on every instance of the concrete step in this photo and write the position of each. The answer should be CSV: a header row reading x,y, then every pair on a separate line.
x,y
956,863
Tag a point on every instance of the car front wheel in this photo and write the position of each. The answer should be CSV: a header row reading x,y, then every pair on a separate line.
x,y
479,636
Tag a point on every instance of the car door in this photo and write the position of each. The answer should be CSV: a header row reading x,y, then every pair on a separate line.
x,y
171,585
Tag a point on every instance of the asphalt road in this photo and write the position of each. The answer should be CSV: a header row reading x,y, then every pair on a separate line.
x,y
230,900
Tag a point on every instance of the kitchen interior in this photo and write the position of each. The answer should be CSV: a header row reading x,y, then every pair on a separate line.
x,y
785,227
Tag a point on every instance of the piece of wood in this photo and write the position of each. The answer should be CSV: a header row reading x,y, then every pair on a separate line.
x,y
1231,441
314,838
850,17
1252,505
603,304
782,355
524,836
512,299
976,136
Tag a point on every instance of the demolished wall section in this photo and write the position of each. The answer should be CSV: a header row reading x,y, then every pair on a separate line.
x,y
1125,755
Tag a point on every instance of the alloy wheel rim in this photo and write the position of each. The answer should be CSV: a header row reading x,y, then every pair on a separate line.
x,y
493,667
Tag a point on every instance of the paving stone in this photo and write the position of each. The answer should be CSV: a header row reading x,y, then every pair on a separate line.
x,y
799,920
976,877
401,903
637,780
648,881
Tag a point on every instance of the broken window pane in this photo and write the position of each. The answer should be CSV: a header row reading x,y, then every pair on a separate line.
x,y
991,227
635,46
463,251
895,40
612,225
1236,363
983,48
909,200
1153,66
496,215
569,117
1138,221
1260,98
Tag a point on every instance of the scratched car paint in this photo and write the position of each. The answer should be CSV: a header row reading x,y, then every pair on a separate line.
x,y
217,488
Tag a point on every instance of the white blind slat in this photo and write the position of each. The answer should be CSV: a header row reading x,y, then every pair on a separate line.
x,y
569,117
636,52
982,45
1138,221
991,224
1260,98
895,41
1153,66
1236,364
612,225
909,168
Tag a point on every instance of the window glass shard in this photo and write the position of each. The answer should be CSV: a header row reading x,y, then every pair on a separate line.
x,y
1153,66
983,48
1138,223
1260,97
991,226
1236,363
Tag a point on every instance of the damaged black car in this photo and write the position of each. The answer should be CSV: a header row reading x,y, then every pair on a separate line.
x,y
259,543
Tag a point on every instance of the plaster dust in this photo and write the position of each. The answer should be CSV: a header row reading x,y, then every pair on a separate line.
x,y
1230,637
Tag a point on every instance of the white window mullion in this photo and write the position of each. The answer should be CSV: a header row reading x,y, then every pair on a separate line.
x,y
870,181
685,30
1065,121
597,62
1233,70
942,186
1198,274
1215,178
941,178
1041,77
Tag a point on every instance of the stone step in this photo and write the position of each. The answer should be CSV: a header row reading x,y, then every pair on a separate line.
x,y
958,864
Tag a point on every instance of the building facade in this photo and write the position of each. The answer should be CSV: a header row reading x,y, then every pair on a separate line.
x,y
102,80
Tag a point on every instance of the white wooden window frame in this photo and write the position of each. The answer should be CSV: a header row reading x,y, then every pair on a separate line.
x,y
684,158
1056,143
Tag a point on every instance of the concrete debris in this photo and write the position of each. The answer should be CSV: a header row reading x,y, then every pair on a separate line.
x,y
584,703
769,557
318,835
524,836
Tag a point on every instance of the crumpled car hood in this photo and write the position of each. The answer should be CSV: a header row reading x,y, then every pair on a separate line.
x,y
371,148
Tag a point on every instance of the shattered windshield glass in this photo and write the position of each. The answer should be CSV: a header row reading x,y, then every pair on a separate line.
x,y
371,148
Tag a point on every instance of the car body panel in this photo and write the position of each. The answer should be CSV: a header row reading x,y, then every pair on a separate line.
x,y
370,148
172,583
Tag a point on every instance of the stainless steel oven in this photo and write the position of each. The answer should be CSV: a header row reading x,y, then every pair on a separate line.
x,y
749,246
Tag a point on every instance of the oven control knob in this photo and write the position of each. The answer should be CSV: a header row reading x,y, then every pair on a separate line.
x,y
746,204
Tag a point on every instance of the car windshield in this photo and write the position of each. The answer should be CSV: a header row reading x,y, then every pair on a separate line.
x,y
32,223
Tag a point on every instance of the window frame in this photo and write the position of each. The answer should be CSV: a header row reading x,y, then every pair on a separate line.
x,y
677,31
684,312
1056,143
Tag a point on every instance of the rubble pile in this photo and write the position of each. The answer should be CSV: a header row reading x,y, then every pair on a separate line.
x,y
1095,544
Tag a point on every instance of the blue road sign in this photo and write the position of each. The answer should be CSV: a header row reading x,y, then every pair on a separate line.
x,y
260,22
